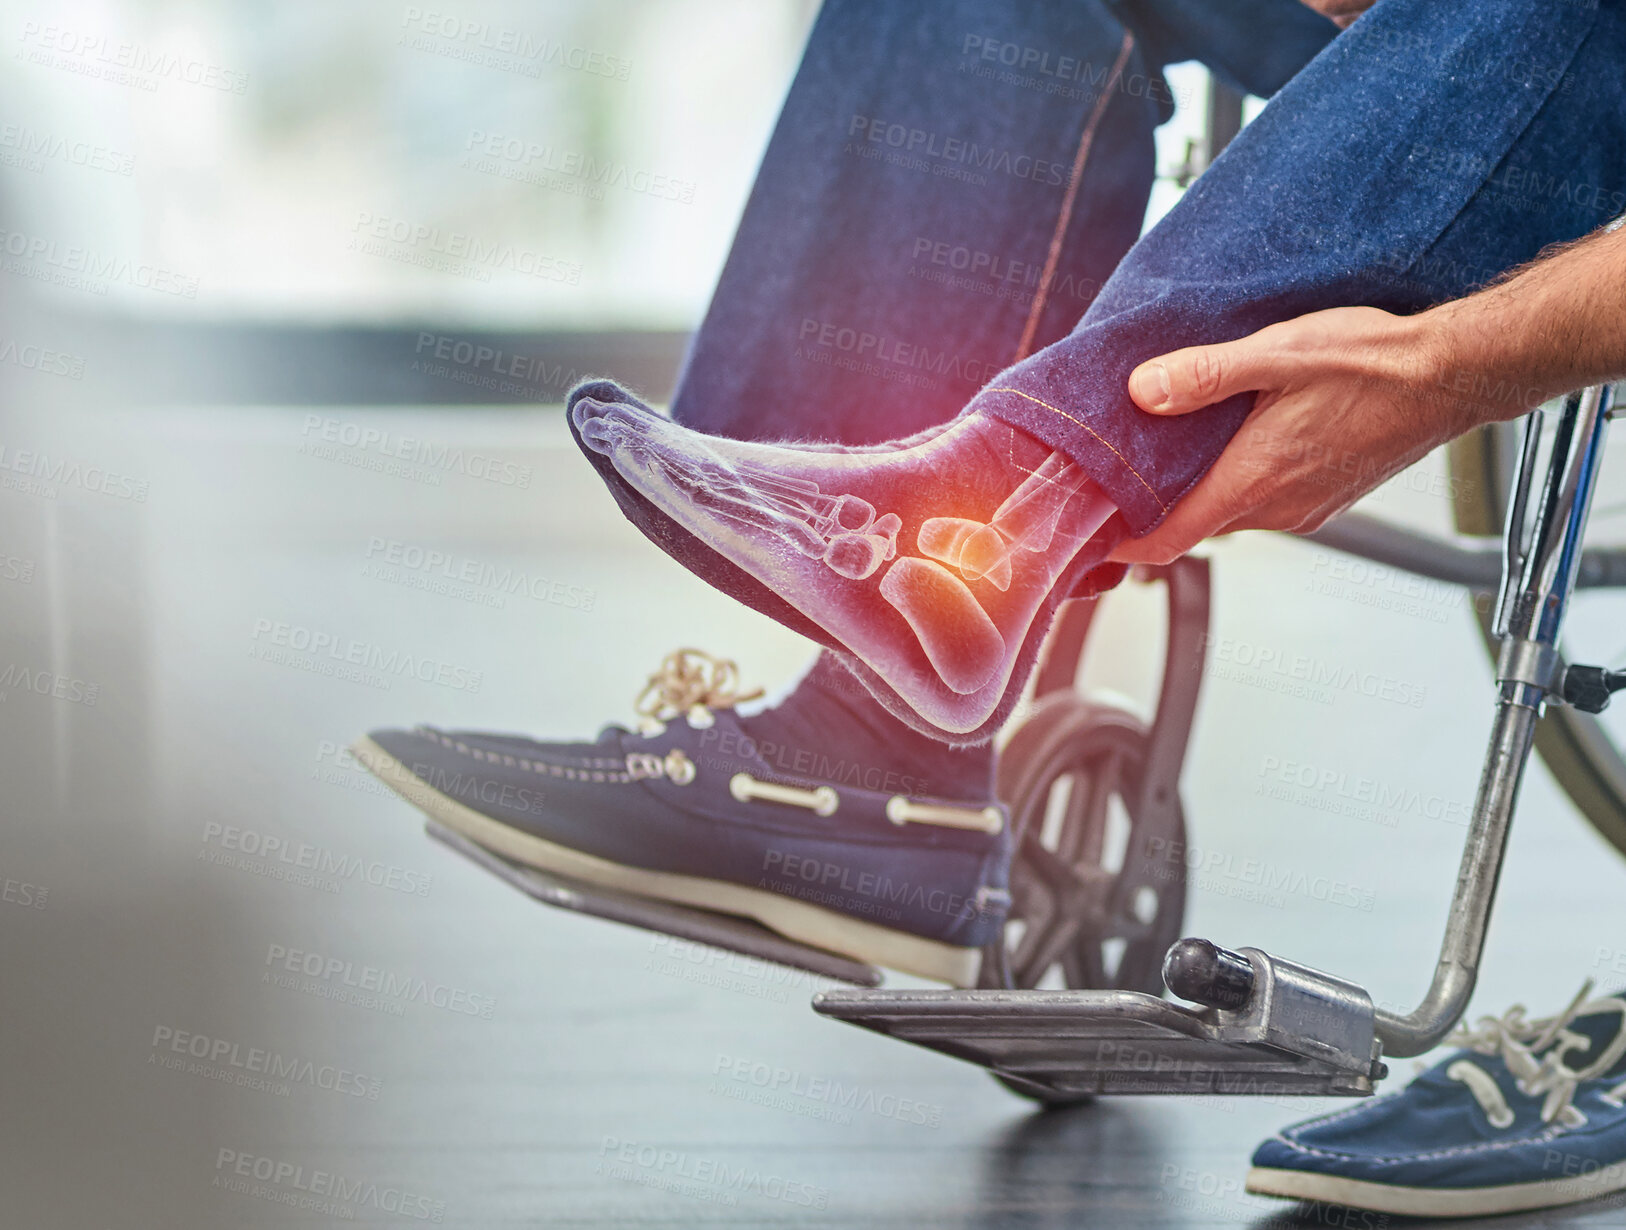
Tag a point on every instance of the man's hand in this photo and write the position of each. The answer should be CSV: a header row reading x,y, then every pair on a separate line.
x,y
1349,396
1346,398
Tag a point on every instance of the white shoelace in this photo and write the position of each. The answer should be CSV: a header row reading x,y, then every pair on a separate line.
x,y
1518,1041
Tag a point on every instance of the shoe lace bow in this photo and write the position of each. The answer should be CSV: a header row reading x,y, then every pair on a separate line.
x,y
691,681
1535,1052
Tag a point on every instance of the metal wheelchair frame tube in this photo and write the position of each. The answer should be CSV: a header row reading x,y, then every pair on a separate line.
x,y
1540,561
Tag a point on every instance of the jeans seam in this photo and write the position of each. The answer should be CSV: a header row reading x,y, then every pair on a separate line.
x,y
1041,297
1081,423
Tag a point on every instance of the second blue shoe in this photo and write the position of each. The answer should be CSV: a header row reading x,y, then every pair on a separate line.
x,y
1529,1114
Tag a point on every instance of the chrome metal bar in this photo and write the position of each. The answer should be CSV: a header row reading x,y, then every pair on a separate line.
x,y
1441,559
1535,594
1514,530
1425,555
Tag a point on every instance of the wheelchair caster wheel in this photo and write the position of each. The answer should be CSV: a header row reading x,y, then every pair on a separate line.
x,y
1095,899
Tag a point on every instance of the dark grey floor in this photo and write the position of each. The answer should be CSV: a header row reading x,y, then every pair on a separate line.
x,y
549,1070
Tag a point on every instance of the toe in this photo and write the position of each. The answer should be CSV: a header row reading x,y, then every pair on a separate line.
x,y
598,435
585,410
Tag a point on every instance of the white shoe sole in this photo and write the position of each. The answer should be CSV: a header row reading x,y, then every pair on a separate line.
x,y
1435,1201
797,920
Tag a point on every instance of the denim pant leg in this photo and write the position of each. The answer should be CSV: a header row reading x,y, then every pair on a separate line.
x,y
916,227
890,255
1428,148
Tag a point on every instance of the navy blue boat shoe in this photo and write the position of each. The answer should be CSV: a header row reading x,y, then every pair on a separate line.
x,y
834,853
1529,1114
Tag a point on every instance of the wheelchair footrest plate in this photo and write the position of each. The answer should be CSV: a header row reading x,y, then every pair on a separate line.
x,y
1075,1043
726,931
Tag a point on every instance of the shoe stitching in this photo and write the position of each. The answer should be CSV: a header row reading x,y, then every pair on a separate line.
x,y
1338,1116
552,770
556,770
506,758
1080,422
1484,1146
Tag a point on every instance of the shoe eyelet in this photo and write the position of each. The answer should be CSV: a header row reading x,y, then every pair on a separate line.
x,y
679,768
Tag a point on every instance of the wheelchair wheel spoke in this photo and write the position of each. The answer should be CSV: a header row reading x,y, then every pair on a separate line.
x,y
1084,830
1082,966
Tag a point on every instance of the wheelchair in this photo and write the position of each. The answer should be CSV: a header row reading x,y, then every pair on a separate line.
x,y
1093,791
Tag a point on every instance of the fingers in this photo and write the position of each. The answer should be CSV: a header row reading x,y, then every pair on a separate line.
x,y
1211,506
1198,376
1234,495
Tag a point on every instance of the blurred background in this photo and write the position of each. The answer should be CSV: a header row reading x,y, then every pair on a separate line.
x,y
226,295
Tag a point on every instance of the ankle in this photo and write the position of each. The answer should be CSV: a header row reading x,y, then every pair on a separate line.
x,y
832,727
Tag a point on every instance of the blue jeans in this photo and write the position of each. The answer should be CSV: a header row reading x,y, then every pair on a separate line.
x,y
946,216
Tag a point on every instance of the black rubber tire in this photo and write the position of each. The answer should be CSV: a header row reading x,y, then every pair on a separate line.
x,y
1102,749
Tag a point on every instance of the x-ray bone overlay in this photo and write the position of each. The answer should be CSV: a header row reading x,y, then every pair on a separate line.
x,y
1024,522
967,591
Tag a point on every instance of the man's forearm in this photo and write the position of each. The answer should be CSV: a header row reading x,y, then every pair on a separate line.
x,y
1555,325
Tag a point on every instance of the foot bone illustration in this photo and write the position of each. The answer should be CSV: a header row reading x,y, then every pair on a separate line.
x,y
1025,521
902,590
842,530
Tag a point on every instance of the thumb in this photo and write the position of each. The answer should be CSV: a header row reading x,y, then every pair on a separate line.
x,y
1186,380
